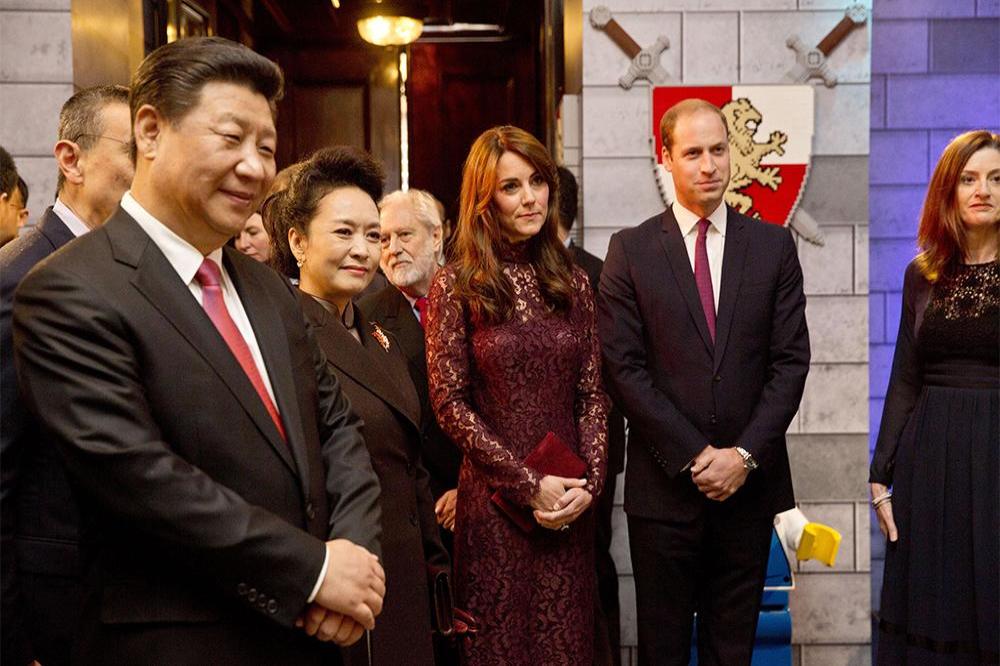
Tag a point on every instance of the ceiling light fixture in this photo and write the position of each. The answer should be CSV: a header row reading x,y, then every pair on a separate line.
x,y
391,22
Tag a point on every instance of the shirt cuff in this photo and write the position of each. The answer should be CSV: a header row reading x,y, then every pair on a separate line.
x,y
322,575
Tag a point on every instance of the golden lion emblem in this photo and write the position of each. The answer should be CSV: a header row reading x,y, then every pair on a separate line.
x,y
743,119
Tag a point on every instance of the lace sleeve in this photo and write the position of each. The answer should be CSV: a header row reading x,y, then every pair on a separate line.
x,y
449,379
591,408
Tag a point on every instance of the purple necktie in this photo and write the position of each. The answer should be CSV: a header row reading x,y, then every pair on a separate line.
x,y
209,276
703,276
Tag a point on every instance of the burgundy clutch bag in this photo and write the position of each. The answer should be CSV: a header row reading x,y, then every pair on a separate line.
x,y
551,456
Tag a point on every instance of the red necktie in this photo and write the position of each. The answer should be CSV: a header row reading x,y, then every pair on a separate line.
x,y
703,276
421,307
209,276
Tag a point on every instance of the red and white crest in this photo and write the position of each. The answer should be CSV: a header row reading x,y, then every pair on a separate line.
x,y
770,141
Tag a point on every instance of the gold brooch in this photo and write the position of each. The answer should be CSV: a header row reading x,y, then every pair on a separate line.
x,y
380,335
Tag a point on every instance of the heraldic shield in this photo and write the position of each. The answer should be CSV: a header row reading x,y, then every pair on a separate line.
x,y
770,144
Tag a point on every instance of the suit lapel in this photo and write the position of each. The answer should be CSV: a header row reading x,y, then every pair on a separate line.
x,y
54,229
680,264
270,333
157,280
408,332
362,363
733,260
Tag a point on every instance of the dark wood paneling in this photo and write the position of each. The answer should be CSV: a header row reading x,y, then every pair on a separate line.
x,y
455,92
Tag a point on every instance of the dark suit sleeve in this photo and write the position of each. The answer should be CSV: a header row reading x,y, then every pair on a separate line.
x,y
74,351
788,361
15,646
672,438
351,483
434,551
904,385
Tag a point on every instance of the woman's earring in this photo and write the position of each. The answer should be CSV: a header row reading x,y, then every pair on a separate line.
x,y
300,262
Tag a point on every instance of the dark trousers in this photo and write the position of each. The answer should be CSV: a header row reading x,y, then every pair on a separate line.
x,y
706,565
607,615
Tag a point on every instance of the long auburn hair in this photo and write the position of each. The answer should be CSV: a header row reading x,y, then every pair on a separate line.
x,y
941,236
479,280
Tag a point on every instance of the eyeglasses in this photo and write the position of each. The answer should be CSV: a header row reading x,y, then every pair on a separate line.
x,y
101,136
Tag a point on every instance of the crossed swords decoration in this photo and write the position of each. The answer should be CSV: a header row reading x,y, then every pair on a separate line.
x,y
811,63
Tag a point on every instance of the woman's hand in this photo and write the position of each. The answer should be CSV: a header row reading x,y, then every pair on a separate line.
x,y
567,508
884,513
551,489
444,509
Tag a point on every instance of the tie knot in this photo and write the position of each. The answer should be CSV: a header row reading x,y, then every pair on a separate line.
x,y
703,225
209,274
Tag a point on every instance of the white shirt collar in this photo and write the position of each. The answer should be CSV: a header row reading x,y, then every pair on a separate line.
x,y
184,257
69,218
686,220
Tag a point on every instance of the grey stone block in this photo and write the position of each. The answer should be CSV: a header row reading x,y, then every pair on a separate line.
x,y
690,5
898,157
572,128
838,328
616,122
837,190
875,406
831,608
916,101
836,655
989,8
35,47
964,46
839,516
890,9
47,5
835,399
764,57
29,116
40,173
571,158
876,317
863,537
938,140
711,50
899,47
888,263
626,600
877,110
620,192
861,259
829,269
893,313
841,112
595,240
604,62
895,210
880,361
826,467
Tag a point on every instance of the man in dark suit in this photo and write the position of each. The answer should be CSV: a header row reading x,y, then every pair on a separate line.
x,y
412,249
607,634
702,324
224,482
40,521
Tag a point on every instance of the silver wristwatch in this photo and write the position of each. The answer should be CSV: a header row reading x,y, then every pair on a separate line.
x,y
749,463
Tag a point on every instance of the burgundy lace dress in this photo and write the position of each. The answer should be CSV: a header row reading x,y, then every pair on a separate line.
x,y
497,390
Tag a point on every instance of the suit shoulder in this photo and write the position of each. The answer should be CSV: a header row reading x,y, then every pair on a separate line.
x,y
88,257
20,256
641,232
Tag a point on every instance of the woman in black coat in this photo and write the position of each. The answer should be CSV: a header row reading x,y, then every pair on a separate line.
x,y
325,231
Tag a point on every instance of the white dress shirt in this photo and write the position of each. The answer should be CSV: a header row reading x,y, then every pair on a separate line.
x,y
715,240
77,226
186,259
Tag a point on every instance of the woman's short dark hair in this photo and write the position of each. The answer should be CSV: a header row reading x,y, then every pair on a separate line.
x,y
171,78
295,206
568,195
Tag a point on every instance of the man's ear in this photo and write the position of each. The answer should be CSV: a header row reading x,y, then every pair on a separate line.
x,y
438,238
68,154
665,156
148,128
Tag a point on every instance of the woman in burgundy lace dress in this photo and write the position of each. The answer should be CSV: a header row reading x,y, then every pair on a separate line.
x,y
512,354
940,434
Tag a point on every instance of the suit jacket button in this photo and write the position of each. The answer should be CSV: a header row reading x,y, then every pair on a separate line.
x,y
272,606
262,602
310,511
717,378
241,589
413,519
252,595
712,419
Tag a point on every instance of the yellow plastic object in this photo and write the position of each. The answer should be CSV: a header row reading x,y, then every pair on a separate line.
x,y
819,542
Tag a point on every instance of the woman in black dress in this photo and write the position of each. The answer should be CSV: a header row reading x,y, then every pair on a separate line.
x,y
937,445
325,231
